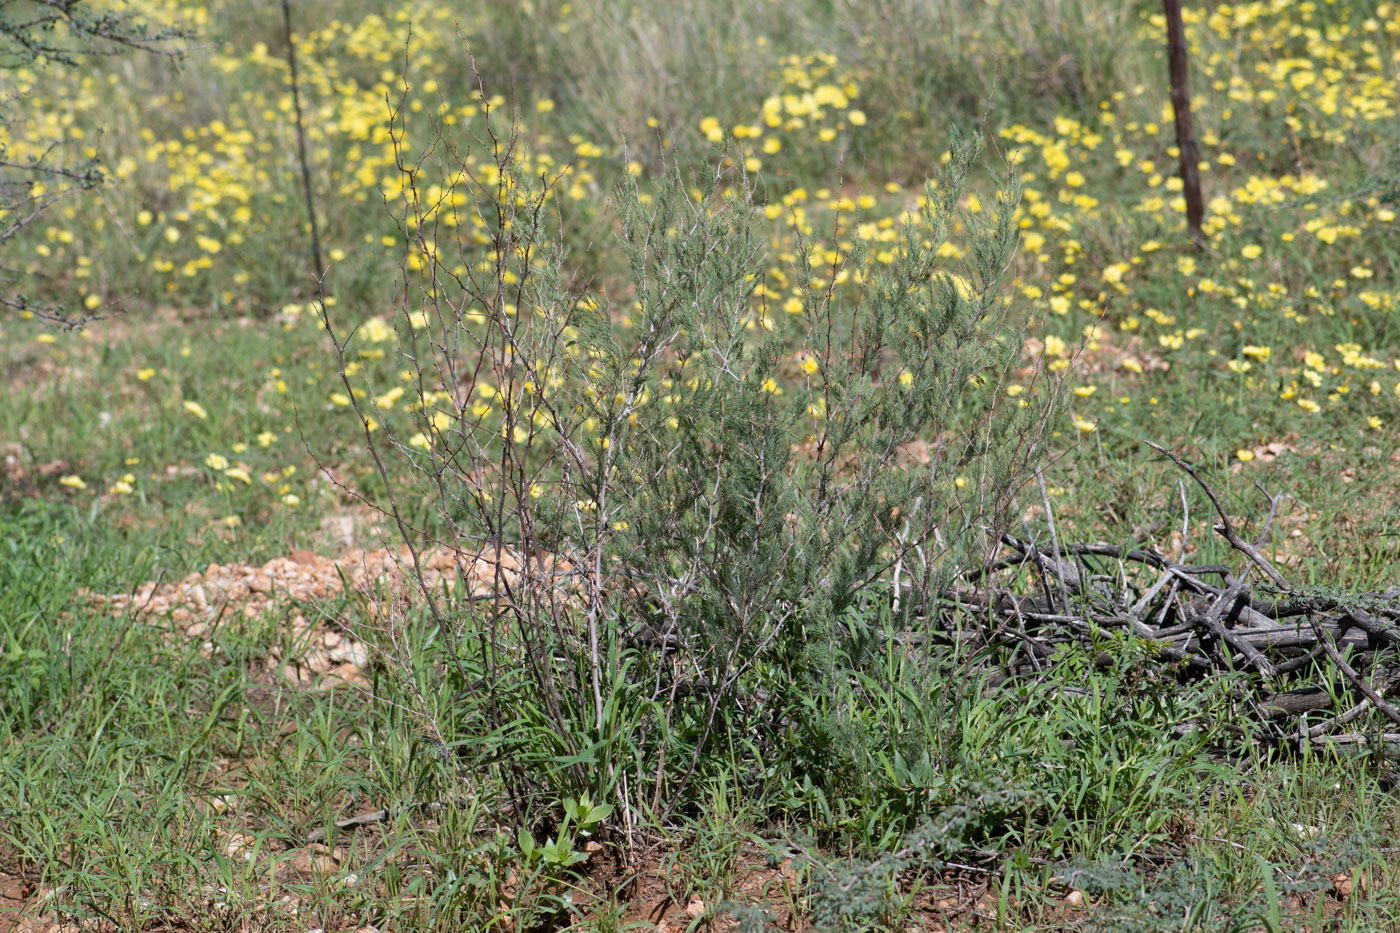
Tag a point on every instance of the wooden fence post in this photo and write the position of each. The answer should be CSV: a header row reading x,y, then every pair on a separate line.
x,y
318,268
1185,131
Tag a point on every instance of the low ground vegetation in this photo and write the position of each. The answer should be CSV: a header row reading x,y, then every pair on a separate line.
x,y
743,466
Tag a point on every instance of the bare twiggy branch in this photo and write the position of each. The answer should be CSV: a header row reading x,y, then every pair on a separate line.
x,y
1224,526
1325,639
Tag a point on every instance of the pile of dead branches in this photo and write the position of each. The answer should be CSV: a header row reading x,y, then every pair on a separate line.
x,y
1205,619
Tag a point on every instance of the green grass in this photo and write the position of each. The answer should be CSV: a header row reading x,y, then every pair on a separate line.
x,y
146,779
133,761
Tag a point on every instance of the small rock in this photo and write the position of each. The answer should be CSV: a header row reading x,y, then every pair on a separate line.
x,y
260,583
240,845
297,675
312,864
695,909
1341,884
439,559
1074,899
350,674
352,653
340,529
37,925
318,660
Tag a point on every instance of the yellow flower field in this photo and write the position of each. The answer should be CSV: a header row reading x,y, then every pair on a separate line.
x,y
657,508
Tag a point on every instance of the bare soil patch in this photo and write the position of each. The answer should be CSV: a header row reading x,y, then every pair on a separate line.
x,y
298,586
